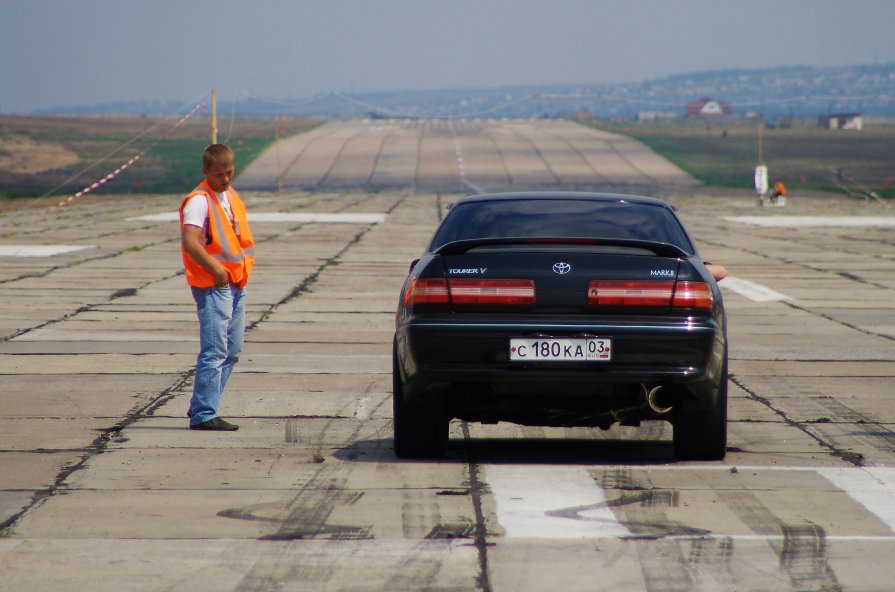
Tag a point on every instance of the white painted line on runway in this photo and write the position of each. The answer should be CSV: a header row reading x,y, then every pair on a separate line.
x,y
39,250
845,538
564,502
872,487
551,502
307,217
464,180
751,290
812,221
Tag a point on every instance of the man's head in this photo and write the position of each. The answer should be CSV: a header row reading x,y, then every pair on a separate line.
x,y
218,164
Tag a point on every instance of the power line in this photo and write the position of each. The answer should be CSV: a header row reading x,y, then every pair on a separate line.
x,y
132,160
93,165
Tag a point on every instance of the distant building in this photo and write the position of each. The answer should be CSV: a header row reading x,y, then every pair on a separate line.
x,y
653,115
706,107
851,121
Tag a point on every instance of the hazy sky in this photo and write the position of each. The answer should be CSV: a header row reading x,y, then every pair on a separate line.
x,y
82,52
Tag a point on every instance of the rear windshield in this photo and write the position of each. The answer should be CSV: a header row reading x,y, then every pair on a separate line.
x,y
553,218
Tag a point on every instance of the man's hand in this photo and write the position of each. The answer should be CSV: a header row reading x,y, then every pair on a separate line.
x,y
718,271
221,277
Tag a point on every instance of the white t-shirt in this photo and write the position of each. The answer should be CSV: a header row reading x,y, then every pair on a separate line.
x,y
195,212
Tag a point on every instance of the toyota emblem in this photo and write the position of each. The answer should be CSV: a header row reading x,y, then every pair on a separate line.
x,y
562,268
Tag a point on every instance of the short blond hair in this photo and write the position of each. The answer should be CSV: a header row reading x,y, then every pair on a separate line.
x,y
217,155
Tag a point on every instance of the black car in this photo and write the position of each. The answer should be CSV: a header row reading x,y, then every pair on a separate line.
x,y
560,309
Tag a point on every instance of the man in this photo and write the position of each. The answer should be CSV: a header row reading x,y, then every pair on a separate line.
x,y
779,192
218,253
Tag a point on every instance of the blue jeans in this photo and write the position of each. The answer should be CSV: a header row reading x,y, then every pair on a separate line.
x,y
221,331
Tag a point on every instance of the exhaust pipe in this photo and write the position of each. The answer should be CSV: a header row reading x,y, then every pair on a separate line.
x,y
658,402
654,402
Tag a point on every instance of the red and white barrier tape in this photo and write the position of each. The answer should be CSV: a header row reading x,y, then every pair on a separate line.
x,y
118,171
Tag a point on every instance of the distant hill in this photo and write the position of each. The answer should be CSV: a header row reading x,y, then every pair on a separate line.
x,y
798,91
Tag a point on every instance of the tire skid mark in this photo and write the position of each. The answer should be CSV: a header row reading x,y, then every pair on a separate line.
x,y
803,550
716,555
874,433
417,571
641,507
417,515
307,514
666,564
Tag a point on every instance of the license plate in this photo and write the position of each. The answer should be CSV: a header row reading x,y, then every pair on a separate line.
x,y
573,349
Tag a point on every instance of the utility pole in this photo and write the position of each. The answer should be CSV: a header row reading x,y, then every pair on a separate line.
x,y
276,143
760,134
214,117
761,171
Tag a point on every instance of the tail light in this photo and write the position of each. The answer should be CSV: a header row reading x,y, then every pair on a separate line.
x,y
649,293
488,292
629,293
507,292
693,295
422,291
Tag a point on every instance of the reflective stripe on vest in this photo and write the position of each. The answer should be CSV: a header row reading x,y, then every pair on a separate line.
x,y
226,254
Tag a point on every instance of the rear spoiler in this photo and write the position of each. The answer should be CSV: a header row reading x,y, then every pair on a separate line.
x,y
660,249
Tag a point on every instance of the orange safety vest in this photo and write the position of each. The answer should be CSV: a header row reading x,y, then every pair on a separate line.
x,y
231,245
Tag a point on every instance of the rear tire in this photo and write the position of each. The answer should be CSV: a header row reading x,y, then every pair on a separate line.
x,y
420,429
701,434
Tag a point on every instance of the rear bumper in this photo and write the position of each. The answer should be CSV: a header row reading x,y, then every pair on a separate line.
x,y
440,351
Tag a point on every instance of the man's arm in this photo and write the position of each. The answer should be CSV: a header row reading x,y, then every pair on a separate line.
x,y
192,244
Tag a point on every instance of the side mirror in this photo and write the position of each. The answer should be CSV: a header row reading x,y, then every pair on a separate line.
x,y
413,264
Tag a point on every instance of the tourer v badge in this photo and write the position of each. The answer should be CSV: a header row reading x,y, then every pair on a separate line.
x,y
469,270
561,268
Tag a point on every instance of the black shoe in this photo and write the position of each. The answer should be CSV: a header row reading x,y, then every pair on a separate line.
x,y
215,424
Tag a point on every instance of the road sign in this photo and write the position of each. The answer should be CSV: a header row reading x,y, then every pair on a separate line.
x,y
761,179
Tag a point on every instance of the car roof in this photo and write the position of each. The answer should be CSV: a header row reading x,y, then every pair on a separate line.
x,y
565,195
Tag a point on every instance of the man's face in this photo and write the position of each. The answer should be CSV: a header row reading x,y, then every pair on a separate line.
x,y
219,177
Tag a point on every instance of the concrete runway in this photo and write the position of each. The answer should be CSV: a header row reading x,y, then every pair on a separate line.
x,y
102,487
466,156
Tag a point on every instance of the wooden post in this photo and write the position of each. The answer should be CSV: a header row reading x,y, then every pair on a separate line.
x,y
760,134
214,117
276,143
